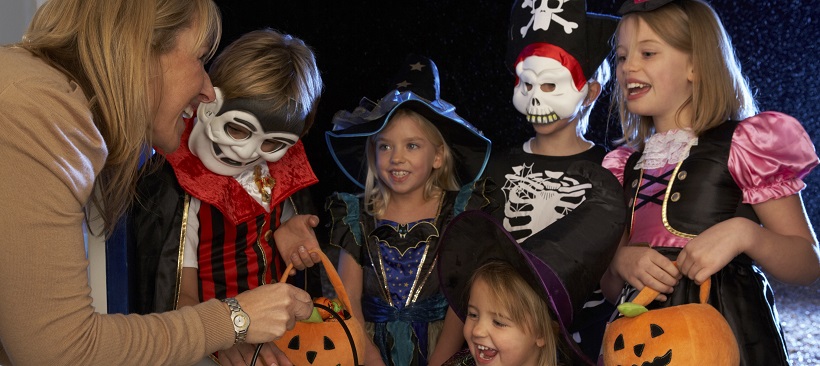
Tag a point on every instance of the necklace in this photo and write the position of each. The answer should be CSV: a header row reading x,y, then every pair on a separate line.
x,y
264,184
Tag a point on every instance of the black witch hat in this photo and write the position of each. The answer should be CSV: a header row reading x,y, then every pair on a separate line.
x,y
565,24
415,87
562,263
631,6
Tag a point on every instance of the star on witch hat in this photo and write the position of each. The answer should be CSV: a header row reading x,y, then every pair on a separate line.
x,y
415,87
562,263
578,39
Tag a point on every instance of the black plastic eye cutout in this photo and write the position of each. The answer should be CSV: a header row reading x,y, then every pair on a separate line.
x,y
294,343
655,330
329,344
619,342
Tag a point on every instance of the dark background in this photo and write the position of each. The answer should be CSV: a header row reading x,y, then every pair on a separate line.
x,y
360,45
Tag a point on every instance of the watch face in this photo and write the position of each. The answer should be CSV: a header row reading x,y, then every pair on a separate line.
x,y
240,321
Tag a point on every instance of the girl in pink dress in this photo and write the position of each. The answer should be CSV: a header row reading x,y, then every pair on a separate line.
x,y
711,183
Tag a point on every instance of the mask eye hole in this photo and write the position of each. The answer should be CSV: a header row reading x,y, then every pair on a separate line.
x,y
548,87
528,86
271,145
236,131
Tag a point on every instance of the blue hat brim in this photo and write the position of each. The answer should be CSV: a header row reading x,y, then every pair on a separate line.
x,y
471,150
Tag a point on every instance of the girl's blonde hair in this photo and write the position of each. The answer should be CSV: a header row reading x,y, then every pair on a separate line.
x,y
271,66
719,90
377,196
509,291
111,48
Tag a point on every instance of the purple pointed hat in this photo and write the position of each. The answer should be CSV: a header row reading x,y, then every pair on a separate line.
x,y
562,263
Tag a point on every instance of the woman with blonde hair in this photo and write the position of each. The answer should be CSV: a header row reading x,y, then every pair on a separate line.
x,y
92,84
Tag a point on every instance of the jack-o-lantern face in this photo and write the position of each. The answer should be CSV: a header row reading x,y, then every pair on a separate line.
x,y
310,355
330,337
318,341
655,331
680,335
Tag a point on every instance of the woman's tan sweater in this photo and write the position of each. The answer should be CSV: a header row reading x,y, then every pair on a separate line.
x,y
50,154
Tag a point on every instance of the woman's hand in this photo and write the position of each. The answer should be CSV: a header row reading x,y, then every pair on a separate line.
x,y
273,310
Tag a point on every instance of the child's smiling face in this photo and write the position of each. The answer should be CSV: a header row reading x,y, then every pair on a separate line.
x,y
405,157
655,78
493,338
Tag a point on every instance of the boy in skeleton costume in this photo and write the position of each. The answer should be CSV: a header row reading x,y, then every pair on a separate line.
x,y
559,58
205,224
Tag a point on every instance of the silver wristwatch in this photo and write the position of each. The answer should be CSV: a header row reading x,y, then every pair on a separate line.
x,y
240,319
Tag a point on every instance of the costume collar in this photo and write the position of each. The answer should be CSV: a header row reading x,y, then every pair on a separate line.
x,y
668,147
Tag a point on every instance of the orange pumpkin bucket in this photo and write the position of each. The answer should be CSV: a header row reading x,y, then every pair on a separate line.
x,y
331,337
690,334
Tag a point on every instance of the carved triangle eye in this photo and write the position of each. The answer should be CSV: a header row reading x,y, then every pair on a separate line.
x,y
329,344
294,343
655,330
619,342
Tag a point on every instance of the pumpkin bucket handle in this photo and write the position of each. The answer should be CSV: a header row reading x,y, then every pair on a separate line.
x,y
647,294
332,275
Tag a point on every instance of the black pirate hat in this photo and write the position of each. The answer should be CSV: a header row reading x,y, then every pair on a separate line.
x,y
631,6
415,87
562,263
565,24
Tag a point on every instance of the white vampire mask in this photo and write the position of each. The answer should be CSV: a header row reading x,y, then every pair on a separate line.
x,y
545,92
232,139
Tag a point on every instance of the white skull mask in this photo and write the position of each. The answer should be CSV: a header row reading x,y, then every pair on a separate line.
x,y
234,141
546,92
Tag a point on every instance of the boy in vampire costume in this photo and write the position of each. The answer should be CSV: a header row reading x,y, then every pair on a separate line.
x,y
207,223
558,53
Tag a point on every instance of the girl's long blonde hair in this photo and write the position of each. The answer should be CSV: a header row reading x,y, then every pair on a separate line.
x,y
111,48
377,196
720,92
509,291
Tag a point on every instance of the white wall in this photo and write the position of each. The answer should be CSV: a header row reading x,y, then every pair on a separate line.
x,y
15,16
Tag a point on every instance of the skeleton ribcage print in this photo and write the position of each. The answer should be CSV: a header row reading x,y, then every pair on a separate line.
x,y
534,200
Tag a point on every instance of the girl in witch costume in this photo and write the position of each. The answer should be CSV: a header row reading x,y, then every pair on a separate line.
x,y
560,73
410,153
205,224
710,183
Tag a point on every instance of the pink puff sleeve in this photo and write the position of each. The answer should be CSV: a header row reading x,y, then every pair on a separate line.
x,y
615,161
770,155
